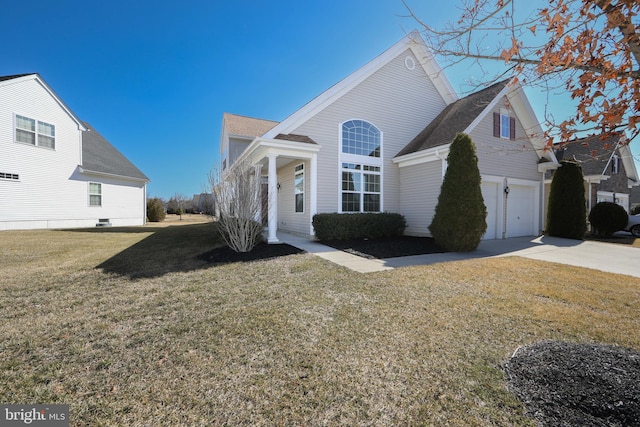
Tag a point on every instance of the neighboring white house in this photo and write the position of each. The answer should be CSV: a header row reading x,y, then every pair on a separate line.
x,y
377,141
57,171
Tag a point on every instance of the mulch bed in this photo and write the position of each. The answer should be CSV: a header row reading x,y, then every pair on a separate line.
x,y
225,255
389,247
569,384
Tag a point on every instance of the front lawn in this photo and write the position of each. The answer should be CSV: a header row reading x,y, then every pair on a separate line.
x,y
131,327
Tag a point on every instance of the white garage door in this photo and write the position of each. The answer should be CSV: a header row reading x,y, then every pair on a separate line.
x,y
490,195
521,210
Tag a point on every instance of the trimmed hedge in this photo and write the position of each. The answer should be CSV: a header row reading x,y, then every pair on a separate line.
x,y
607,217
335,226
567,209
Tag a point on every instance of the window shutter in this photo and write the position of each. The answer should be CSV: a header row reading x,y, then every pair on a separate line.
x,y
512,128
496,125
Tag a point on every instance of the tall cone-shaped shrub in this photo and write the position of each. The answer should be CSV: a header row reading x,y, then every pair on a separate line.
x,y
567,210
460,218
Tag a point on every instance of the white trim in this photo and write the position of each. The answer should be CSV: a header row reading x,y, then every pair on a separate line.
x,y
46,87
361,160
304,191
94,194
423,156
412,41
313,191
110,175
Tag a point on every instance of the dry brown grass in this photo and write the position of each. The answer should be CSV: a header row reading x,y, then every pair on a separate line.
x,y
159,338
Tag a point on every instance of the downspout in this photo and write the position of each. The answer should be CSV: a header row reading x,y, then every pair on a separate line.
x,y
443,161
542,224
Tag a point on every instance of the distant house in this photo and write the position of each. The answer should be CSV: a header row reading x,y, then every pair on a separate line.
x,y
56,171
378,141
203,203
608,167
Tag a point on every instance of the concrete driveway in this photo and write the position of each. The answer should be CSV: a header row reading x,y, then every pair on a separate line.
x,y
609,257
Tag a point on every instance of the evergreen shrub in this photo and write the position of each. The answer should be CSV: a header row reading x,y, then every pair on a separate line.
x,y
607,217
155,210
567,211
460,218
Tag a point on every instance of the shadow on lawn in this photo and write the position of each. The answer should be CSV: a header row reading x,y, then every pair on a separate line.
x,y
178,249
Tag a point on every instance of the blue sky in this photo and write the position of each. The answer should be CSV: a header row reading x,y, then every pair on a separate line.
x,y
154,77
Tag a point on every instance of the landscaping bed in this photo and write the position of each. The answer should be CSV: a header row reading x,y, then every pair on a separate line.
x,y
564,383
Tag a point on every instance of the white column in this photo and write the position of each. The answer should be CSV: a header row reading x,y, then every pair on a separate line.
x,y
313,190
273,200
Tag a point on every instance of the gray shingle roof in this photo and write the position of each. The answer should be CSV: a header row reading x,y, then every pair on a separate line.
x,y
294,137
456,117
592,152
15,76
98,155
247,126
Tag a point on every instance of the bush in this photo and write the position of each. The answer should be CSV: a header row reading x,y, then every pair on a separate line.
x,y
460,218
567,211
635,210
155,210
607,217
240,234
335,226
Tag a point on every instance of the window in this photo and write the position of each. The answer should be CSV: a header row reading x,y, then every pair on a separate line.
x,y
361,138
361,188
95,194
361,167
298,187
10,176
35,132
615,164
504,126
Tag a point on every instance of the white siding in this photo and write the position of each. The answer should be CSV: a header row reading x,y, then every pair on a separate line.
x,y
288,218
400,102
419,191
50,192
503,157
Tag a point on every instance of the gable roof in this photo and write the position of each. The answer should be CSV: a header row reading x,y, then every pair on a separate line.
x,y
36,77
456,117
246,126
15,76
412,41
99,156
593,154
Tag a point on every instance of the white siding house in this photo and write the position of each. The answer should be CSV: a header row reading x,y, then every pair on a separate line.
x,y
378,140
55,170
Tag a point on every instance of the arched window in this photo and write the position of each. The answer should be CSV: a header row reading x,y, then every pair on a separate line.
x,y
360,138
361,167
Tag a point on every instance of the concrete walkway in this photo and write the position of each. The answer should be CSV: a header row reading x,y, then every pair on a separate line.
x,y
607,257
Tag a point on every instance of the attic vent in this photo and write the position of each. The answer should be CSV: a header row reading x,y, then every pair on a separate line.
x,y
409,63
11,176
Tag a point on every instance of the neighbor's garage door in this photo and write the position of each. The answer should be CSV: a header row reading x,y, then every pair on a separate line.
x,y
521,210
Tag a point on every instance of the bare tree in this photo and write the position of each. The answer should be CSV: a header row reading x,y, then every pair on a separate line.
x,y
237,194
588,48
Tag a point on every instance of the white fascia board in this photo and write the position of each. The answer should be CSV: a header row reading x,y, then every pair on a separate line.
x,y
411,41
596,179
47,88
629,164
111,175
260,147
423,156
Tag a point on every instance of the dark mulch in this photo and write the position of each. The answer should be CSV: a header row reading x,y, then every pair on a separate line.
x,y
388,247
225,254
568,384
